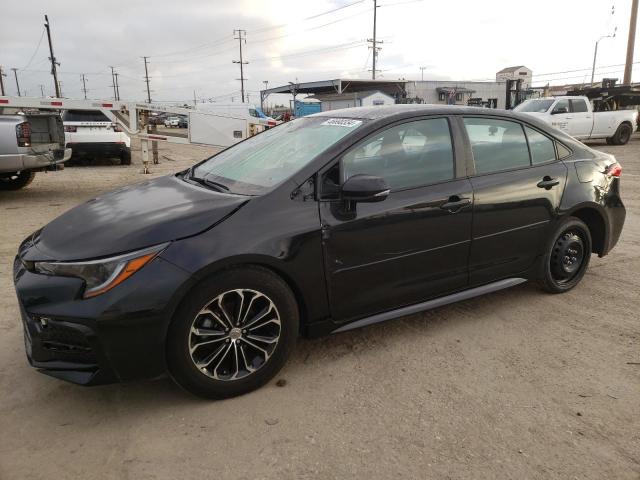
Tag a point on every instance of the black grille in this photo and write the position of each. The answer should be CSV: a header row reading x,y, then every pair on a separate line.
x,y
67,343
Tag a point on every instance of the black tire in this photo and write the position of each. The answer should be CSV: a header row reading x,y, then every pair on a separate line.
x,y
16,180
125,157
622,135
237,353
567,256
609,140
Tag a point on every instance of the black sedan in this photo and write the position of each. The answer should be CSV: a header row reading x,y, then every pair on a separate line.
x,y
321,225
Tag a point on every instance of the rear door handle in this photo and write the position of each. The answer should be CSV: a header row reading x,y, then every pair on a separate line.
x,y
548,182
455,203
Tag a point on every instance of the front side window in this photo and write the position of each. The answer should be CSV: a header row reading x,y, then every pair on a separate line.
x,y
541,147
254,166
496,144
578,106
534,106
407,155
562,105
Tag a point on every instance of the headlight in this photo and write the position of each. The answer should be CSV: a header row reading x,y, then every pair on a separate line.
x,y
104,274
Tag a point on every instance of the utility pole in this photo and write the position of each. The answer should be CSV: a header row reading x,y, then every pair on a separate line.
x,y
242,35
15,73
146,79
195,101
374,41
2,75
42,90
117,87
422,69
262,95
54,63
113,83
84,87
631,42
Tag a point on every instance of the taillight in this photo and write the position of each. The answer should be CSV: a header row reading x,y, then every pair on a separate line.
x,y
23,134
116,128
70,128
614,170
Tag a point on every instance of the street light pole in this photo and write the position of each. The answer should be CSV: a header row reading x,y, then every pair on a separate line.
x,y
595,53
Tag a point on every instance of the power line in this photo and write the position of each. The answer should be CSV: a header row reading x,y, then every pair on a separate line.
x,y
263,29
36,51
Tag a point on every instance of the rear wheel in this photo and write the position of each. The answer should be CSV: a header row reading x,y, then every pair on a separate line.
x,y
232,333
568,255
16,180
622,135
125,157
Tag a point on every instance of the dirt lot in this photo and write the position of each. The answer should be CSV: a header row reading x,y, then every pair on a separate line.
x,y
518,384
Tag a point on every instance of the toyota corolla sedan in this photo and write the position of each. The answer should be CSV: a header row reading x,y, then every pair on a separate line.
x,y
323,224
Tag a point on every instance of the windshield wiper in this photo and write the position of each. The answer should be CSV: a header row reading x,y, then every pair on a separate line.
x,y
206,182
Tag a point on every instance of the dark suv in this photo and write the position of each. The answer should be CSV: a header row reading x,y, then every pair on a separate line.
x,y
323,224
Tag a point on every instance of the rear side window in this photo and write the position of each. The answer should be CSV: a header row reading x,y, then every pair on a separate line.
x,y
541,147
84,116
496,144
563,152
406,155
578,106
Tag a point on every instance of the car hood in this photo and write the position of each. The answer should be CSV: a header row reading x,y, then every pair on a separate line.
x,y
130,218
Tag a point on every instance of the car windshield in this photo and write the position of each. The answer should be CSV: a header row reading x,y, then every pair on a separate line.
x,y
259,163
534,106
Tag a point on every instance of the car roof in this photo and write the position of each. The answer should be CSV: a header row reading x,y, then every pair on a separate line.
x,y
409,110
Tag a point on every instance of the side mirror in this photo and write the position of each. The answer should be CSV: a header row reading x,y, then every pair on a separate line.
x,y
365,188
560,111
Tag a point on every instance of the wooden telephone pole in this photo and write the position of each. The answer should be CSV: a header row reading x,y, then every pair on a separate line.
x,y
54,63
631,43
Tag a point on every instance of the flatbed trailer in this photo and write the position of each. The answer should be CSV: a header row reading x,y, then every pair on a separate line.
x,y
204,128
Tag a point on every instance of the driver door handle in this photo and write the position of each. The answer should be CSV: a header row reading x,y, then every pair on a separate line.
x,y
455,203
548,182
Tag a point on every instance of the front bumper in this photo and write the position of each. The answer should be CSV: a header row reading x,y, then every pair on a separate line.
x,y
26,161
117,336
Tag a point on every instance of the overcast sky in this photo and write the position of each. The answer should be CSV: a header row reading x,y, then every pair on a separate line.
x,y
191,47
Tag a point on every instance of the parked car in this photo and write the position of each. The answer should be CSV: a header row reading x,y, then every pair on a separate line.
x,y
575,116
30,143
90,133
172,122
157,119
326,223
183,122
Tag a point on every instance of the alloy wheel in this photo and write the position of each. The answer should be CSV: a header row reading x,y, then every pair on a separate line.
x,y
234,335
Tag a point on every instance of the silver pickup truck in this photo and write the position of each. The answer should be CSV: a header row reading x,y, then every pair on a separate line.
x,y
30,143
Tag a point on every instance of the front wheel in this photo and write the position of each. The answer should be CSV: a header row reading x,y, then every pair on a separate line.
x,y
16,180
232,333
567,257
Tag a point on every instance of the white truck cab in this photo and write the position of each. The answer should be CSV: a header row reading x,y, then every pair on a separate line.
x,y
575,116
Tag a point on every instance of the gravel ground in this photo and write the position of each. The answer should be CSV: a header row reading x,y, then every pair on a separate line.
x,y
517,384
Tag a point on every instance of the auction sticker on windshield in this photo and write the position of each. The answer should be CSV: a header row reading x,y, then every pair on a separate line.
x,y
343,122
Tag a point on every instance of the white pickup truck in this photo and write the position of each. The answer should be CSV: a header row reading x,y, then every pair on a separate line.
x,y
29,143
575,116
